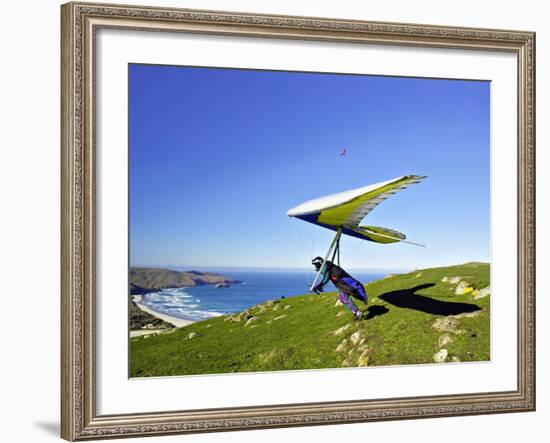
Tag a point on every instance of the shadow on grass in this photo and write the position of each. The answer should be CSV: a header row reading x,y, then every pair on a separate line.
x,y
406,298
375,311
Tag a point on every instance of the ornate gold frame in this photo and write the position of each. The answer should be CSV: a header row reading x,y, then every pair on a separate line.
x,y
79,420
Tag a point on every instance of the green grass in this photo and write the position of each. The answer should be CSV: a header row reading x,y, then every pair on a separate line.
x,y
140,319
398,330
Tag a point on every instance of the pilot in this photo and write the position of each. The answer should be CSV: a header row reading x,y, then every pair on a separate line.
x,y
348,286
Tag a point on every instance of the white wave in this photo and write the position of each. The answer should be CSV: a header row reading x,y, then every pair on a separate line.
x,y
178,303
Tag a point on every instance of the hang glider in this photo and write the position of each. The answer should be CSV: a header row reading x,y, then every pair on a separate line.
x,y
343,212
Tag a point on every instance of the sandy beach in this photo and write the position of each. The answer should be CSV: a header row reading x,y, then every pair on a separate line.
x,y
177,322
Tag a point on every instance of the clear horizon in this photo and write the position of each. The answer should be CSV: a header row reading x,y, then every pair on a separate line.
x,y
217,157
220,268
251,269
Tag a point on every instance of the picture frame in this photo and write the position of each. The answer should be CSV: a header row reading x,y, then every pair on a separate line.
x,y
79,179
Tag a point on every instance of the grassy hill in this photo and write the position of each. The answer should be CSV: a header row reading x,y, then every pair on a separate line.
x,y
438,314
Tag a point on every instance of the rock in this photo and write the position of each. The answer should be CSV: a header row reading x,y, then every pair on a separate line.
x,y
482,293
279,317
245,314
444,340
269,356
445,279
455,359
338,303
287,307
342,346
363,359
223,285
447,324
418,275
193,335
340,314
355,337
251,319
468,314
463,288
363,348
341,330
239,317
388,276
441,356
454,280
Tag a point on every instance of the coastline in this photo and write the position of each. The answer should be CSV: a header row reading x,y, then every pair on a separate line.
x,y
177,322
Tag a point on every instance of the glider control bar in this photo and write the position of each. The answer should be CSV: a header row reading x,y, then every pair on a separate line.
x,y
335,244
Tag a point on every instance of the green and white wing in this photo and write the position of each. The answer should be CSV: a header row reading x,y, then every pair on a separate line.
x,y
347,209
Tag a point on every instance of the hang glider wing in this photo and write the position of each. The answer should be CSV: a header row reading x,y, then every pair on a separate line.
x,y
345,210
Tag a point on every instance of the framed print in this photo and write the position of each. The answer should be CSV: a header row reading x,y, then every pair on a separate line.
x,y
277,221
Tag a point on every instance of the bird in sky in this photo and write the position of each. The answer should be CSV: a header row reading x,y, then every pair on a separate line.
x,y
344,152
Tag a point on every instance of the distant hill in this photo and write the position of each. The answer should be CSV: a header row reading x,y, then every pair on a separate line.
x,y
425,316
144,280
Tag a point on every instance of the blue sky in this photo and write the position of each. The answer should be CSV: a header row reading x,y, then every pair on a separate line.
x,y
218,156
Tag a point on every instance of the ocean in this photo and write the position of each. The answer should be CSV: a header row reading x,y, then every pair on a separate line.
x,y
203,302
